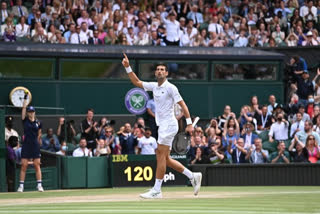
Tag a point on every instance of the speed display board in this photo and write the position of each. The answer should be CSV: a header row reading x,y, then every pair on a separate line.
x,y
140,170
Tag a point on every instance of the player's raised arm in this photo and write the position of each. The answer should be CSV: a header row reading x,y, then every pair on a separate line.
x,y
133,77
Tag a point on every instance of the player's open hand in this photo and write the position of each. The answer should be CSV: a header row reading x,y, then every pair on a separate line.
x,y
125,61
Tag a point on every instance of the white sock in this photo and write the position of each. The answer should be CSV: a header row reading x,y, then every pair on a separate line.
x,y
39,182
187,173
157,185
21,184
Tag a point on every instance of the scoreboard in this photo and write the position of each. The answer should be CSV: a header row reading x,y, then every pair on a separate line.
x,y
140,170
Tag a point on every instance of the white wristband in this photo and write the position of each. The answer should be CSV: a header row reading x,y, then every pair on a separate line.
x,y
189,121
128,69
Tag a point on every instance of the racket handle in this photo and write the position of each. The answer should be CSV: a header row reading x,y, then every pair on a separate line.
x,y
195,121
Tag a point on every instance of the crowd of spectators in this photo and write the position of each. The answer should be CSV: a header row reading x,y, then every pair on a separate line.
x,y
217,23
269,133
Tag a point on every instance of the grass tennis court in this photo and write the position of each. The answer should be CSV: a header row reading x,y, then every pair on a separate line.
x,y
176,200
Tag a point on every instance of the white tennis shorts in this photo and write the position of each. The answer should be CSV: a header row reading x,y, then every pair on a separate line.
x,y
166,134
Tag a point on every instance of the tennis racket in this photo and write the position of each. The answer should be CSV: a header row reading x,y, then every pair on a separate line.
x,y
182,140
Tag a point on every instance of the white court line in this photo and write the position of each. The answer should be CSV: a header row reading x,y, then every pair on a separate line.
x,y
148,211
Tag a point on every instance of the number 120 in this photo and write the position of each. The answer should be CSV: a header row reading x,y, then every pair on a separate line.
x,y
145,173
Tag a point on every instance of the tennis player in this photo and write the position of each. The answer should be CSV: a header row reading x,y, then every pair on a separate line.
x,y
165,96
31,144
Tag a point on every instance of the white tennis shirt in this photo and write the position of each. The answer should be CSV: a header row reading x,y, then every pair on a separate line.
x,y
147,145
165,96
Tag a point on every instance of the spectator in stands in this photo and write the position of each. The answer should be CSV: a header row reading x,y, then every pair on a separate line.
x,y
310,41
195,16
298,152
147,144
278,35
216,155
52,34
226,114
22,30
11,162
89,130
254,107
279,129
69,127
231,122
60,39
46,16
214,124
85,33
211,135
316,112
102,149
272,104
230,136
63,149
95,40
72,30
195,143
199,132
305,116
128,141
37,19
241,40
256,154
214,26
4,13
292,107
75,36
9,131
9,35
264,120
111,140
302,135
101,126
7,25
316,126
172,27
297,125
238,154
200,157
313,149
248,135
245,116
19,10
40,36
292,40
84,18
82,151
279,109
310,106
50,141
304,87
280,156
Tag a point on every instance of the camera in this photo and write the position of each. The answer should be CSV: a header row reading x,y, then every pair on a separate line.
x,y
110,122
70,122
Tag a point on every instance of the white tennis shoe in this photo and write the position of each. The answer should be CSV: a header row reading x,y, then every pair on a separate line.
x,y
40,189
196,182
151,194
20,189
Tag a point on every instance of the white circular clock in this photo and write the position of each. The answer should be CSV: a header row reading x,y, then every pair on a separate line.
x,y
16,96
